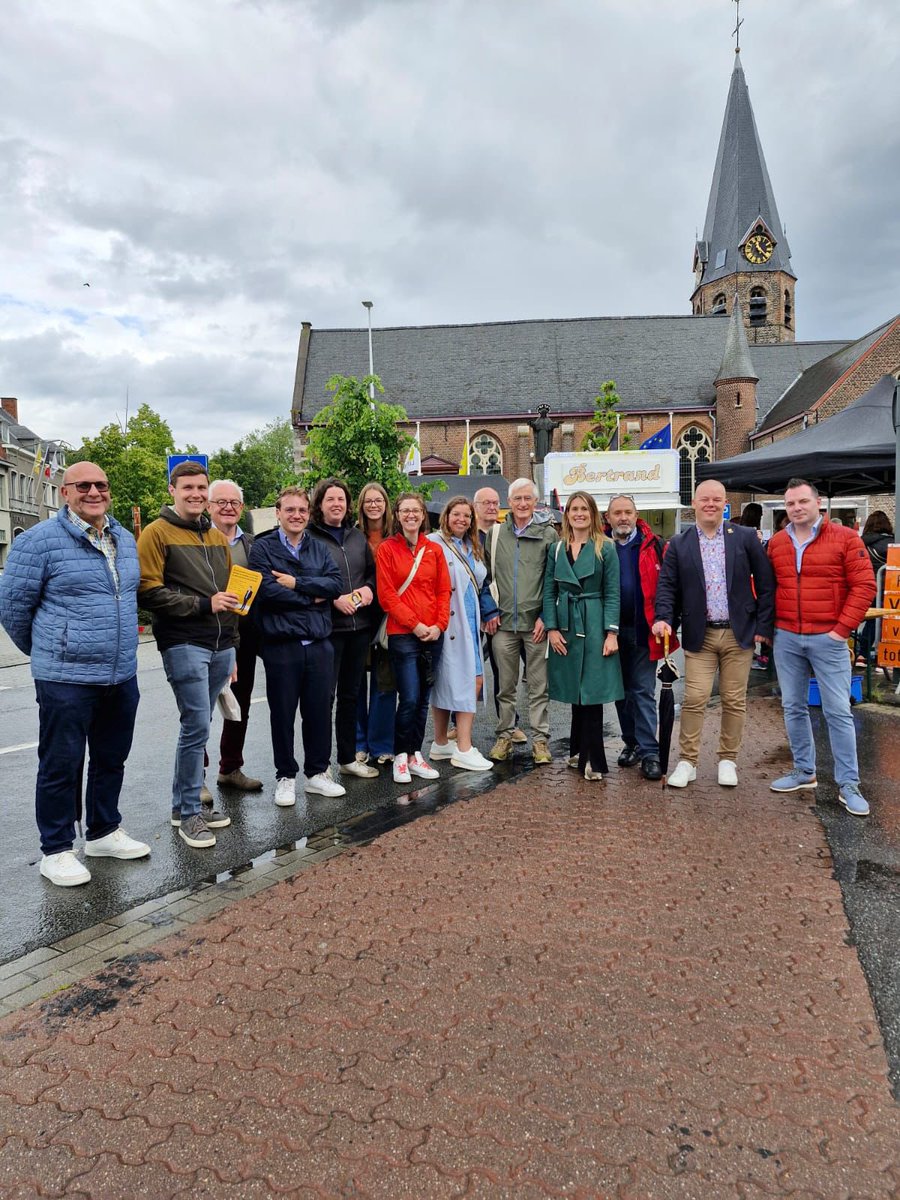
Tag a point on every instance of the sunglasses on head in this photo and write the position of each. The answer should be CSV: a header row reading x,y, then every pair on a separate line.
x,y
84,486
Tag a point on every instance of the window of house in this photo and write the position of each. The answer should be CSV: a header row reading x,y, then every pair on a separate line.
x,y
693,446
485,455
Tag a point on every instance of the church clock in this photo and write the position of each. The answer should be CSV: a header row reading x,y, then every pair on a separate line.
x,y
758,248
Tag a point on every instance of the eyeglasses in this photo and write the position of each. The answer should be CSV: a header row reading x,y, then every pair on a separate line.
x,y
84,486
374,500
227,503
409,512
488,503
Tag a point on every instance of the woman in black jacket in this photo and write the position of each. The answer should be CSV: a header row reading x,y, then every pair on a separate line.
x,y
877,535
330,523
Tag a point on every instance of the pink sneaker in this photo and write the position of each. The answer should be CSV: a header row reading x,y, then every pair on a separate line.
x,y
418,766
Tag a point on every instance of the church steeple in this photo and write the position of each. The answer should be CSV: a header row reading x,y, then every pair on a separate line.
x,y
744,248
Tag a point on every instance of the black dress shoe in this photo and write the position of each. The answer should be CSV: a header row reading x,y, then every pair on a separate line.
x,y
629,757
650,768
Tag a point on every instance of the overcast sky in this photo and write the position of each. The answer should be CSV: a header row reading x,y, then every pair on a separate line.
x,y
220,170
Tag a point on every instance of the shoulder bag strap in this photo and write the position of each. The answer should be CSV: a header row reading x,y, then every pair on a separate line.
x,y
469,570
408,580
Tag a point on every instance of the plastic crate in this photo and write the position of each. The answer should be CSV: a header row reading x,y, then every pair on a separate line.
x,y
856,691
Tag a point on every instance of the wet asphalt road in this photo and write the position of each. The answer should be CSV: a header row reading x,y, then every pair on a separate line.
x,y
33,913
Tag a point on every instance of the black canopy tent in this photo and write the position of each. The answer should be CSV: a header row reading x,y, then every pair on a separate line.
x,y
852,453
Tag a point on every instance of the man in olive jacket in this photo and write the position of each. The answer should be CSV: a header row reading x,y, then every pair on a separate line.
x,y
516,554
185,564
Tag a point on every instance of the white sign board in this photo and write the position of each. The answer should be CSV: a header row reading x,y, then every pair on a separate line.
x,y
650,476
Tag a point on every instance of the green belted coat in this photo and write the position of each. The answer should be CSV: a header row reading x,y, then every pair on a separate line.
x,y
582,602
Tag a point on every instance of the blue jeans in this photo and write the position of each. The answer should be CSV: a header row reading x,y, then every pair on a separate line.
x,y
637,712
410,661
797,657
196,675
375,719
72,716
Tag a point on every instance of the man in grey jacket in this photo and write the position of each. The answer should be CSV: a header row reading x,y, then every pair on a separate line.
x,y
517,556
67,599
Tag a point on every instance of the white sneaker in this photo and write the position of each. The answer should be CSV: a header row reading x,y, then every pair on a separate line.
x,y
471,760
116,845
418,766
683,774
446,751
285,793
592,775
64,869
572,761
727,773
401,769
323,785
361,769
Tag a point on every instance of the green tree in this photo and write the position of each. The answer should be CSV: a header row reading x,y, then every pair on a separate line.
x,y
262,463
134,459
357,439
606,420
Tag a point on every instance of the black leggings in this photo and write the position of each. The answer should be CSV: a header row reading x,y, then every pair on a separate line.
x,y
586,737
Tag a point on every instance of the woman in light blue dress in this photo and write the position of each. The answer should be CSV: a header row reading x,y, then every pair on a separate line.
x,y
460,672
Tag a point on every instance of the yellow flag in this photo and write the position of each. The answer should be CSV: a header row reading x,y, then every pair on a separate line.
x,y
464,461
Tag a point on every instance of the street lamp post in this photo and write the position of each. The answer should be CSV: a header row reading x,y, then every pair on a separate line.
x,y
367,305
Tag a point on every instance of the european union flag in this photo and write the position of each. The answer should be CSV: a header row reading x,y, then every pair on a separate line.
x,y
659,441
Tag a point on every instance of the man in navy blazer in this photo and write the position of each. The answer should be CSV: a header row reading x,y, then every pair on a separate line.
x,y
717,583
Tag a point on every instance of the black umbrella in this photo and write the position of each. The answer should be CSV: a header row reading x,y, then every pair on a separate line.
x,y
666,674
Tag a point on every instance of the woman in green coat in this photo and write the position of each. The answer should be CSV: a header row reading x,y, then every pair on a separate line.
x,y
581,614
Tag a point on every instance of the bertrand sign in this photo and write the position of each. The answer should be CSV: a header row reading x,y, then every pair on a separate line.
x,y
651,476
889,646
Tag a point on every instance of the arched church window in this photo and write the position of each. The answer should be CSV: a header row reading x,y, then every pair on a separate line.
x,y
485,455
694,446
759,306
788,309
719,305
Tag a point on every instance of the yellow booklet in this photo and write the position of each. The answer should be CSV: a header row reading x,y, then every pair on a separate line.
x,y
244,584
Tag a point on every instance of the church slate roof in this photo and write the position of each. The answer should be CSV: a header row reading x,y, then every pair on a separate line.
x,y
741,191
736,361
812,385
779,367
509,368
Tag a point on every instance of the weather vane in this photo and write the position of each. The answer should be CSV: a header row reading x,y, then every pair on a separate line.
x,y
736,32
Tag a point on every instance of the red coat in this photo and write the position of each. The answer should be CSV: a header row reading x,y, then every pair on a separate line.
x,y
650,558
834,587
427,599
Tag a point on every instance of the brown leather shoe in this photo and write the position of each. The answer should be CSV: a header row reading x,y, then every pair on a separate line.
x,y
237,779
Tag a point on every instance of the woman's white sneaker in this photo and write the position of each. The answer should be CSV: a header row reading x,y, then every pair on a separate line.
x,y
471,760
418,766
446,751
401,769
64,869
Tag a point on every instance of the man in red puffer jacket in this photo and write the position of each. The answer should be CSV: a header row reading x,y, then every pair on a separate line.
x,y
824,584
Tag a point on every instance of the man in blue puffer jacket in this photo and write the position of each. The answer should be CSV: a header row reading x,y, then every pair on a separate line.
x,y
68,599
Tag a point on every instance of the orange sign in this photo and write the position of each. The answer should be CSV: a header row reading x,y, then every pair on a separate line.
x,y
889,646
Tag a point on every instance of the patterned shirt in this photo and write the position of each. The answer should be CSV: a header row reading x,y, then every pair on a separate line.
x,y
712,552
101,538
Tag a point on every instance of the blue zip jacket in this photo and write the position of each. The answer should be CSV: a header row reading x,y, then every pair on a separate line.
x,y
292,614
59,603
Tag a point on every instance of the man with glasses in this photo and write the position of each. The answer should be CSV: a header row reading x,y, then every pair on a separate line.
x,y
185,564
516,556
226,503
487,512
68,599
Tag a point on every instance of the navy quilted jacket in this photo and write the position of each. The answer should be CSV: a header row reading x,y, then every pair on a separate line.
x,y
59,603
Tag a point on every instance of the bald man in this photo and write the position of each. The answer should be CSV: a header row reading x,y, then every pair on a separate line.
x,y
717,580
68,599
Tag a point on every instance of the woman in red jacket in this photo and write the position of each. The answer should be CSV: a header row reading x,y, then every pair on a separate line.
x,y
414,591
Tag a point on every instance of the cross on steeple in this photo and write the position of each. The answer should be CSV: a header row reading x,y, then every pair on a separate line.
x,y
736,32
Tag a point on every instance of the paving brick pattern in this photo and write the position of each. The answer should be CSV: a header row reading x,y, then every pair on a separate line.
x,y
556,989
